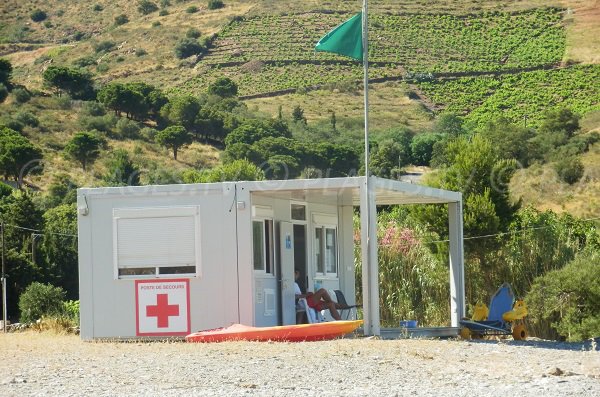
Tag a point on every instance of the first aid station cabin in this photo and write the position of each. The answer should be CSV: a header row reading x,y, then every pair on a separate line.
x,y
165,261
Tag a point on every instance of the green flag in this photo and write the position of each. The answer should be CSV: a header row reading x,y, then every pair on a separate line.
x,y
346,39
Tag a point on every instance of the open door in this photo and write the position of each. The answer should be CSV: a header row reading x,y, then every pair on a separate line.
x,y
286,273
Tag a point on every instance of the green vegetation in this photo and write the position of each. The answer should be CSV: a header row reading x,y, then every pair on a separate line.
x,y
146,7
38,15
84,147
215,4
41,300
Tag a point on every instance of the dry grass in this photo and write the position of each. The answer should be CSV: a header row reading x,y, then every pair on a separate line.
x,y
389,106
583,31
540,186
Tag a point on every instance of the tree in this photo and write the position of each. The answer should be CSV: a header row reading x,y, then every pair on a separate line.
x,y
75,82
560,120
223,87
187,47
238,170
121,170
60,248
298,114
128,98
387,159
146,7
5,72
255,130
84,147
422,147
182,110
511,141
174,137
16,153
449,123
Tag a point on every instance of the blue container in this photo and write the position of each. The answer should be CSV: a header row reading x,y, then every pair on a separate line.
x,y
408,324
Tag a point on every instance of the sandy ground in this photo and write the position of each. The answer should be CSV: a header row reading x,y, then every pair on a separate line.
x,y
48,364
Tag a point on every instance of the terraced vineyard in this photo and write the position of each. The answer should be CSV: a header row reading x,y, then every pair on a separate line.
x,y
521,97
414,43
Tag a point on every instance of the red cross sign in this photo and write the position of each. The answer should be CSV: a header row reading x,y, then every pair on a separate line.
x,y
162,307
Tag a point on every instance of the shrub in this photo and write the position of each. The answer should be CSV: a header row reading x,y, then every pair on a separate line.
x,y
568,299
156,24
187,47
148,134
15,125
121,19
104,46
40,300
47,24
215,4
38,15
165,3
84,61
193,33
146,7
21,95
27,118
140,52
72,310
191,9
163,13
126,128
97,7
570,169
93,108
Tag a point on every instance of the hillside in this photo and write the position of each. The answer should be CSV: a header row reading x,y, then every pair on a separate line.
x,y
480,59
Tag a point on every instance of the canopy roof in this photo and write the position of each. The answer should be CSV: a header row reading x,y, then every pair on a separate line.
x,y
346,191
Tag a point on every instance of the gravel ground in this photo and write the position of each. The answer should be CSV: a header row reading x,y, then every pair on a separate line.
x,y
48,364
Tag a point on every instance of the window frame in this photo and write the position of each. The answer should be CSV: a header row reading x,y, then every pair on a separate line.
x,y
154,272
268,230
325,222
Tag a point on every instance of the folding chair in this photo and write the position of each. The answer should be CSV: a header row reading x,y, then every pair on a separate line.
x,y
341,299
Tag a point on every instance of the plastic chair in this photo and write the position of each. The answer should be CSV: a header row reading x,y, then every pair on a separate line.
x,y
312,315
341,299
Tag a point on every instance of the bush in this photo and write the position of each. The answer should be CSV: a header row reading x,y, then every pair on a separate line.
x,y
215,4
570,169
93,108
41,300
163,13
72,311
126,128
121,19
148,134
97,7
191,9
27,118
104,46
223,87
156,24
192,33
568,300
187,47
146,7
140,52
21,95
38,15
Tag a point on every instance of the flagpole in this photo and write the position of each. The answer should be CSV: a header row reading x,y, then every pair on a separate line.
x,y
365,39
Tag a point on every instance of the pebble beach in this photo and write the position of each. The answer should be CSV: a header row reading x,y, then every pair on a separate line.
x,y
63,365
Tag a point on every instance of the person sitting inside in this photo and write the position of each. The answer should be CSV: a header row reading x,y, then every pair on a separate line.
x,y
319,300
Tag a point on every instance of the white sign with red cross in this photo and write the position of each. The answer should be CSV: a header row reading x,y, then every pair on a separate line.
x,y
162,307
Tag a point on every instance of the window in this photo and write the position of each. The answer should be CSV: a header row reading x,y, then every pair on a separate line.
x,y
326,249
298,212
156,242
262,245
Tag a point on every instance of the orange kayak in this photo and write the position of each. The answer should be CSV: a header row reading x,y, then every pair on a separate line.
x,y
286,333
